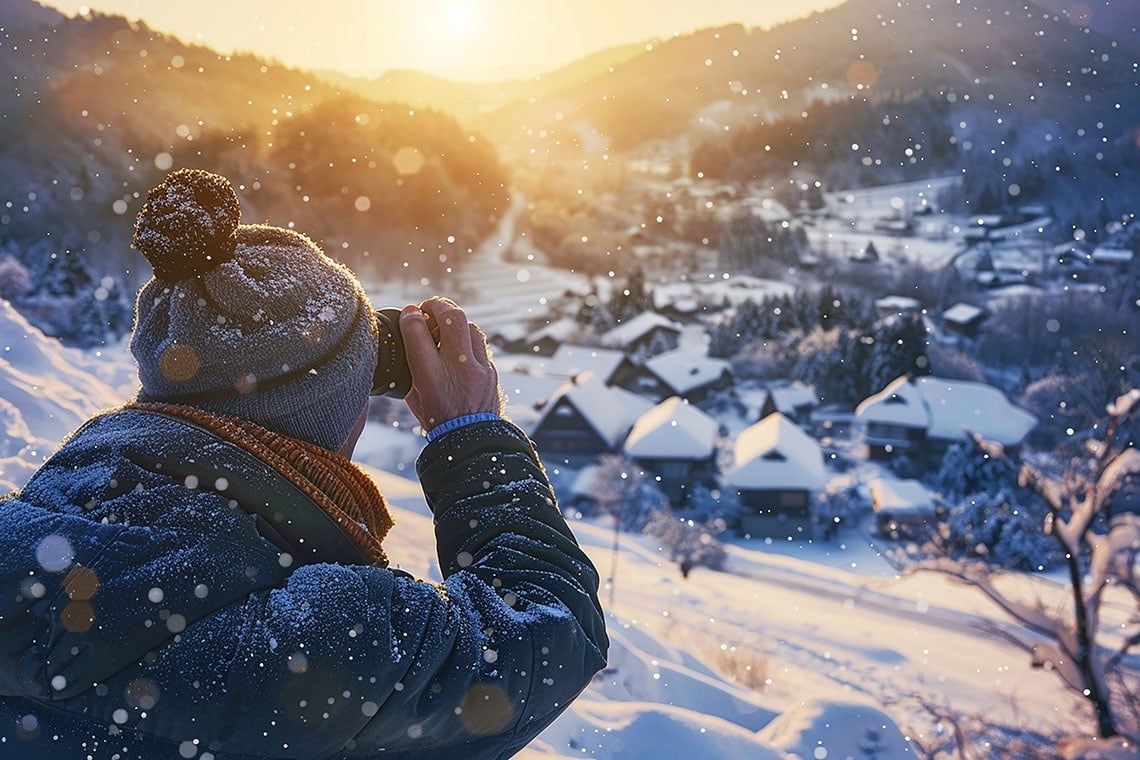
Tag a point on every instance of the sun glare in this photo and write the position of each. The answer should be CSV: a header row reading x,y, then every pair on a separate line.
x,y
461,18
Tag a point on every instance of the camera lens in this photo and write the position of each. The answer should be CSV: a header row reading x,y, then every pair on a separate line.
x,y
392,376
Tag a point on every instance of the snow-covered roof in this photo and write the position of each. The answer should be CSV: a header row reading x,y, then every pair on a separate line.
x,y
1107,255
512,331
610,411
560,330
570,361
775,454
898,303
900,403
767,209
946,409
1015,292
895,496
668,294
789,398
525,393
687,305
639,326
672,430
683,371
1069,247
963,313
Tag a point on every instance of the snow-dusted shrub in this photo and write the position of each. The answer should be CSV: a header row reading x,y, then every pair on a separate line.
x,y
689,543
953,364
15,282
705,505
622,489
1001,527
907,465
966,470
839,505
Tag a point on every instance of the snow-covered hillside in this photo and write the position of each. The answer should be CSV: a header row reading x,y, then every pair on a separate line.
x,y
795,651
46,391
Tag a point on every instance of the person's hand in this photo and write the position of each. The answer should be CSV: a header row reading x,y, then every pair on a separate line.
x,y
451,379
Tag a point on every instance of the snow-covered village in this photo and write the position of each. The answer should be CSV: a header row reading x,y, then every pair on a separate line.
x,y
823,325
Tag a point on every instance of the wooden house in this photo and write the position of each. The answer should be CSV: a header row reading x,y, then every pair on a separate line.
x,y
569,361
923,416
793,400
891,306
964,319
676,442
584,419
776,470
903,508
682,373
1111,259
545,340
647,334
868,254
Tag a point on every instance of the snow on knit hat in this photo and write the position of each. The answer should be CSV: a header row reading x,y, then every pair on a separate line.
x,y
248,320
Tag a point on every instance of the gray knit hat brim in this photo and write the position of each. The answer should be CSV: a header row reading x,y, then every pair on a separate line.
x,y
278,334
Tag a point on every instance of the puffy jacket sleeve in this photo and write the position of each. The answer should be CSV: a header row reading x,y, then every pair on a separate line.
x,y
358,661
503,543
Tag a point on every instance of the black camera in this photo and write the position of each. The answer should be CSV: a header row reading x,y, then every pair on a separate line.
x,y
393,376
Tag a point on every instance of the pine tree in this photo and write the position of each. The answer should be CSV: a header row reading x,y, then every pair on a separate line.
x,y
635,298
65,274
899,348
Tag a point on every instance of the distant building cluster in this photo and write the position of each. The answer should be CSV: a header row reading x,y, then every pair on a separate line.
x,y
641,395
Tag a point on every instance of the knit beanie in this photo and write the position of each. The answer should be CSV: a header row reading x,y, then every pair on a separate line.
x,y
248,320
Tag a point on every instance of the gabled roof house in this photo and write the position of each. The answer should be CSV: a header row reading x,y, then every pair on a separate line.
x,y
584,419
677,442
925,415
647,334
775,470
681,373
569,361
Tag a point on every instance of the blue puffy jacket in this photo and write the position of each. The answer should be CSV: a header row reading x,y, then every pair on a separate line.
x,y
144,618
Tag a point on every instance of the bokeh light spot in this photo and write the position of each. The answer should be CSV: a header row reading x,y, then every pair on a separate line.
x,y
81,584
485,710
55,554
862,74
179,362
408,160
77,617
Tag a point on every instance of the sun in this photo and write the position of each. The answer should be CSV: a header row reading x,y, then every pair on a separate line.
x,y
462,19
454,38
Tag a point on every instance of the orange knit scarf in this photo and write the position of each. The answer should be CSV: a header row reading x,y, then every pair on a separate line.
x,y
341,489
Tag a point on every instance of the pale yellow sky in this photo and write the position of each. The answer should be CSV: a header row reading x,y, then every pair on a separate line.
x,y
473,39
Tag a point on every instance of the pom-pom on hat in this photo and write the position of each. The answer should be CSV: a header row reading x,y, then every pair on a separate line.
x,y
248,320
189,225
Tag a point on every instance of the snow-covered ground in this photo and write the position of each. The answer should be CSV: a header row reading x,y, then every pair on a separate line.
x,y
795,650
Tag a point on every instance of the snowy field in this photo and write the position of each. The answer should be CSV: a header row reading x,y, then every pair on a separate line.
x,y
797,650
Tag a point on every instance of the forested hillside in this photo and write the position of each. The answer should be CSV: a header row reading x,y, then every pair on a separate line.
x,y
98,109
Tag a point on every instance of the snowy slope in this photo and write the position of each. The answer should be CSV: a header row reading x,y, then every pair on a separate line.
x,y
796,651
46,391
